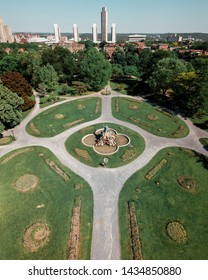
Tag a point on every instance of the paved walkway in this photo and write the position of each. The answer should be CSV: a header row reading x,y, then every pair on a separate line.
x,y
106,183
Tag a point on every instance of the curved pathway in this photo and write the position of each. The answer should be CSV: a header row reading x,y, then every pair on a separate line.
x,y
106,183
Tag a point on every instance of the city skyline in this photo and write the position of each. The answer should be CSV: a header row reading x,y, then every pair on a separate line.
x,y
135,16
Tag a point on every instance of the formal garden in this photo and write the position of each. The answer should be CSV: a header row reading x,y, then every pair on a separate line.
x,y
46,210
162,208
62,117
151,118
82,146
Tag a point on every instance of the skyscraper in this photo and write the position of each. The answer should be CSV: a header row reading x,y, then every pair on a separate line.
x,y
5,32
113,33
94,33
104,24
76,33
57,33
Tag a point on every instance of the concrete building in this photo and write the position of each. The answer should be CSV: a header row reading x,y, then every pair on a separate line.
x,y
113,33
76,33
57,33
174,38
137,38
104,24
94,33
5,32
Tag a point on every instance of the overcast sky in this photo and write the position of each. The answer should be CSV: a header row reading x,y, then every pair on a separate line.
x,y
130,16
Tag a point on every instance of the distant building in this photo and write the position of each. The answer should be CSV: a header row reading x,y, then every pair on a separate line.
x,y
110,49
113,33
104,24
137,38
5,32
164,47
72,46
94,33
57,33
174,38
76,33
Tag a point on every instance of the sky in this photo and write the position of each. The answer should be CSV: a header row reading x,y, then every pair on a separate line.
x,y
130,16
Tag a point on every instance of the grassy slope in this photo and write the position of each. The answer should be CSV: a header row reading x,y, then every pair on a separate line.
x,y
75,141
164,126
156,205
18,210
48,126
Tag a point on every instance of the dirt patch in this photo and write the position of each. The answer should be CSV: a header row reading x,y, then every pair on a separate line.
x,y
80,106
187,183
59,116
73,123
26,150
134,232
83,154
133,107
5,140
74,238
140,122
86,129
152,118
35,236
117,108
105,150
57,169
26,182
89,140
155,169
122,140
180,130
176,232
34,129
97,108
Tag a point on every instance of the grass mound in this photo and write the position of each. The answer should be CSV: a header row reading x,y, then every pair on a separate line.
x,y
36,236
26,182
176,232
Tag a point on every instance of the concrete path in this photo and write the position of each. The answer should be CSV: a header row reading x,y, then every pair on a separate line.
x,y
106,183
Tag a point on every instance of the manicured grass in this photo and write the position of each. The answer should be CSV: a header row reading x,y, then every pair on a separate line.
x,y
19,210
158,204
149,118
47,124
137,145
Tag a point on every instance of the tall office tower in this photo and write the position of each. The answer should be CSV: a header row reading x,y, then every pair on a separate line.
x,y
113,33
94,33
5,32
57,33
76,33
104,24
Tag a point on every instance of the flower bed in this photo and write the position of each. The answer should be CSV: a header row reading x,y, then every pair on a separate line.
x,y
154,171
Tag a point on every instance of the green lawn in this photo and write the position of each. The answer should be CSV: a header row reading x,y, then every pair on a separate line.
x,y
19,210
136,146
62,117
156,205
149,118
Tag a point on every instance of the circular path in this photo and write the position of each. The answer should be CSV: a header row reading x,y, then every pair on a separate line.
x,y
105,183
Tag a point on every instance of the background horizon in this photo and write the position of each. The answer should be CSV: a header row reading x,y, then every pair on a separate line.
x,y
134,16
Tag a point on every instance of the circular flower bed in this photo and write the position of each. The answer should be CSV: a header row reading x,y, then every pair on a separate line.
x,y
187,183
36,236
26,182
176,232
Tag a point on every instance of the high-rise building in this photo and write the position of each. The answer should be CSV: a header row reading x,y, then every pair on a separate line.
x,y
113,33
104,24
57,33
76,33
5,32
94,33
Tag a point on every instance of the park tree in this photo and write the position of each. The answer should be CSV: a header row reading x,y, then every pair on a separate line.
x,y
46,76
165,71
18,84
10,103
117,71
95,69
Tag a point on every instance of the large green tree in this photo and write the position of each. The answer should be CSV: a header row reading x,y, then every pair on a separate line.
x,y
95,69
166,70
10,114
